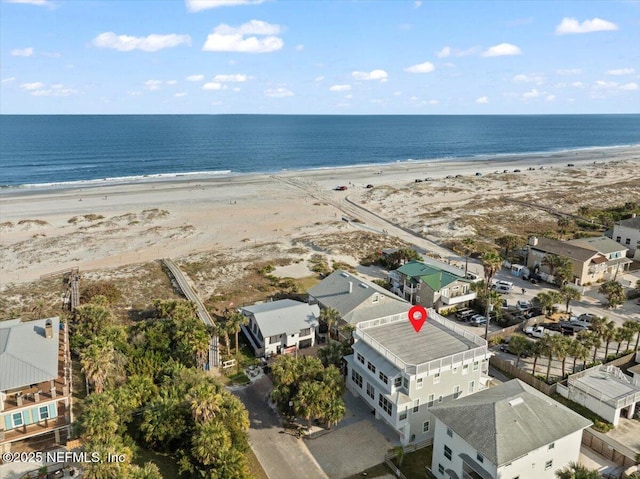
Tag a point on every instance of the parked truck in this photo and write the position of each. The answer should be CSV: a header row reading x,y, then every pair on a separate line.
x,y
539,331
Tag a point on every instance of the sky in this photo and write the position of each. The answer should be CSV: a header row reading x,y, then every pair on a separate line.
x,y
319,57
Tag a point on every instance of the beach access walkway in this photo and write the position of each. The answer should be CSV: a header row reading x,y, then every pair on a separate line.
x,y
203,314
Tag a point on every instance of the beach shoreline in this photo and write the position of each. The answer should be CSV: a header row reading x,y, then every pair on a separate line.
x,y
107,226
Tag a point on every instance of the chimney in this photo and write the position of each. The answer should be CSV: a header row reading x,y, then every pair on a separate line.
x,y
533,241
350,287
48,329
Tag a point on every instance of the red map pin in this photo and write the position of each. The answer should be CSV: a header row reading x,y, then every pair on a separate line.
x,y
417,317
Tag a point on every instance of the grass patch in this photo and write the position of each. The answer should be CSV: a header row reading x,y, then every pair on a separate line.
x,y
599,424
414,463
165,462
239,378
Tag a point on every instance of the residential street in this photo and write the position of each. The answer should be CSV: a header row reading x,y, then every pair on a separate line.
x,y
281,455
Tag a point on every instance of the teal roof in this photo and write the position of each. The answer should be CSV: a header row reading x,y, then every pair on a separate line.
x,y
433,277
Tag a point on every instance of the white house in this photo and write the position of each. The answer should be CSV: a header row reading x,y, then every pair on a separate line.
x,y
281,326
402,374
505,432
627,233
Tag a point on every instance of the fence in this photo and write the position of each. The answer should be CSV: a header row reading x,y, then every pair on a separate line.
x,y
608,448
388,458
524,376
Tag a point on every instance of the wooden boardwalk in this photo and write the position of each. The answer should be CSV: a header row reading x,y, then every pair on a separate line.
x,y
203,314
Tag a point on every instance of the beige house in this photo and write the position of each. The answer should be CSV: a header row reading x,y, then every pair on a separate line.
x,y
593,259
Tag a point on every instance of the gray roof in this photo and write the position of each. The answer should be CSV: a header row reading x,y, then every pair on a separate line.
x,y
630,223
602,383
508,421
634,370
601,244
434,341
566,249
26,356
284,316
356,306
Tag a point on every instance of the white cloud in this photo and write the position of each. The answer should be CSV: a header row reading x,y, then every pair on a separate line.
x,y
531,94
571,25
397,93
232,39
236,78
621,71
536,78
444,53
22,52
150,43
7,80
59,91
318,79
348,97
433,102
502,49
236,89
39,3
417,4
32,86
550,97
135,93
569,71
606,85
414,98
340,88
198,5
629,86
195,78
278,92
577,84
425,67
153,85
372,75
299,47
171,82
212,86
483,100
180,94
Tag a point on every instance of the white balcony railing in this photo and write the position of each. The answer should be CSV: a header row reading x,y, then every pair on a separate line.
x,y
458,299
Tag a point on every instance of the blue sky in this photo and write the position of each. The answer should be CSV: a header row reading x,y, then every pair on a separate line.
x,y
326,57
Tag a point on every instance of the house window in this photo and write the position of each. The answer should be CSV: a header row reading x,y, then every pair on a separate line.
x,y
418,298
361,358
449,432
440,468
383,377
371,391
274,339
627,241
476,365
405,383
356,378
618,239
43,411
385,404
416,405
440,398
425,426
419,383
430,400
403,415
552,445
371,367
397,382
456,392
305,332
548,465
472,386
465,369
375,298
480,457
17,419
455,369
447,452
436,378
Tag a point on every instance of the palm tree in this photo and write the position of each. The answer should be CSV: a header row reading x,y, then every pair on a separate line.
x,y
547,300
577,471
563,224
627,331
614,293
562,348
97,361
536,352
569,294
466,247
235,321
331,354
590,339
636,327
608,334
205,401
549,345
491,263
508,242
551,261
330,317
577,350
518,345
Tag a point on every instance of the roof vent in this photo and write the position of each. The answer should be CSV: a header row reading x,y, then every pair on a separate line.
x,y
516,401
344,275
364,285
48,329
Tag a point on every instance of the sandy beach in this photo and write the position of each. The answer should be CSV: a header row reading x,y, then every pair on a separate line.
x,y
106,227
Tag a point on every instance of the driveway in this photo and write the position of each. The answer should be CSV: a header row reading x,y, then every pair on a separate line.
x,y
282,456
360,441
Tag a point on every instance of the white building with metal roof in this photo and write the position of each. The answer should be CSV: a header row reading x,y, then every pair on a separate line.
x,y
35,380
505,432
402,374
281,326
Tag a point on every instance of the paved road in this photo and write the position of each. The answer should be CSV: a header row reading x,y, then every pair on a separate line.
x,y
282,456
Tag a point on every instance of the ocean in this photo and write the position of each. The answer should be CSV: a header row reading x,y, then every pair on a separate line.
x,y
45,150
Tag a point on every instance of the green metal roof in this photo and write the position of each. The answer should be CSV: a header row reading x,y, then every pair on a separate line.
x,y
433,277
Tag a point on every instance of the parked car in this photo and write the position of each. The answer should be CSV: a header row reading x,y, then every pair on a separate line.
x,y
418,180
478,319
516,171
500,288
532,313
574,326
506,348
523,305
341,188
478,173
570,164
587,317
464,314
369,186
538,331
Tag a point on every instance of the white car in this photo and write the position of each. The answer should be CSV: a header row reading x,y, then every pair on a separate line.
x,y
523,305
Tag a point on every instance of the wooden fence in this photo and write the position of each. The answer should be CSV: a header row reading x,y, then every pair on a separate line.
x,y
524,376
608,448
